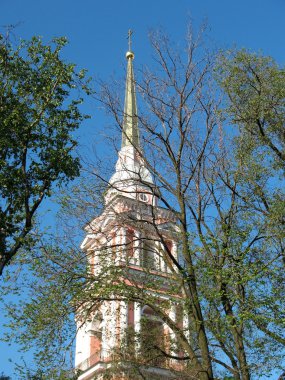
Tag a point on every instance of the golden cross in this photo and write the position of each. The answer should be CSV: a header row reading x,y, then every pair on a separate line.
x,y
130,32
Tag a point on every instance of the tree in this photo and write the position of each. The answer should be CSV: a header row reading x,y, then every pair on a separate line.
x,y
254,85
38,114
228,274
254,89
3,377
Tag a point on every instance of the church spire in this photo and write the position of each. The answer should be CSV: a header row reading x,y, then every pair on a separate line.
x,y
130,131
131,177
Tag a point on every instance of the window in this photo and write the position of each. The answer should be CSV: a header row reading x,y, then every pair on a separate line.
x,y
143,197
130,235
131,327
148,254
152,337
169,245
131,314
113,245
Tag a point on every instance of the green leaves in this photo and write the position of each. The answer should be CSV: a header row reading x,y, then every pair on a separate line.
x,y
39,113
255,88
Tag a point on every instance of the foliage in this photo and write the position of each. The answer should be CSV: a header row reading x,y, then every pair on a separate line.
x,y
3,377
254,85
39,111
26,374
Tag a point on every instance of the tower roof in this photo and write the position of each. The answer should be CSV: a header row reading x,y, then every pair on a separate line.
x,y
130,130
131,176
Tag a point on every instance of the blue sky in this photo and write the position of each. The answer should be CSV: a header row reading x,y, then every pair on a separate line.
x,y
97,32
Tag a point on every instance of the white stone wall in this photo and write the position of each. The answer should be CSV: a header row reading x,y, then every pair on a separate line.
x,y
82,349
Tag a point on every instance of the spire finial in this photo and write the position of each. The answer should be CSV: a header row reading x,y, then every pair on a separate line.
x,y
129,53
130,32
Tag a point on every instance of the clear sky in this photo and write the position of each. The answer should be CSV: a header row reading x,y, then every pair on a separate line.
x,y
97,31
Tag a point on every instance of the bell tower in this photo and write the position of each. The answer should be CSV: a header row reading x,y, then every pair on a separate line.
x,y
127,241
